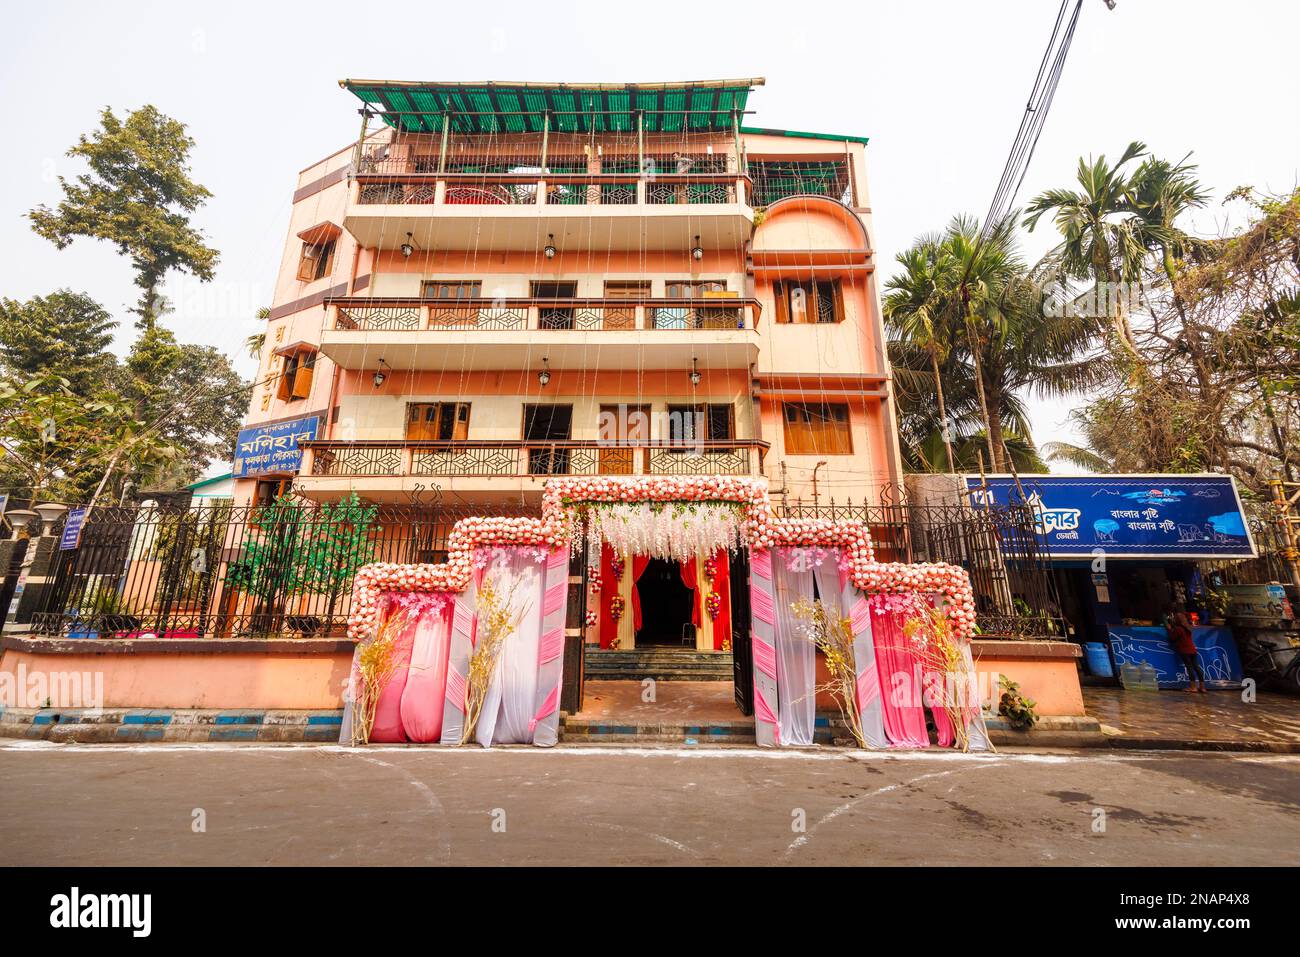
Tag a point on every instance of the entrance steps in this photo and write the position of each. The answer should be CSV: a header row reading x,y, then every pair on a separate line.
x,y
659,663
614,729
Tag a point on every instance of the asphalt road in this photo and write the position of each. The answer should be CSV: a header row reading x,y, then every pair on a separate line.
x,y
137,805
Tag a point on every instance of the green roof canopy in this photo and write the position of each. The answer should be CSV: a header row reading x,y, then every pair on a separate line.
x,y
694,106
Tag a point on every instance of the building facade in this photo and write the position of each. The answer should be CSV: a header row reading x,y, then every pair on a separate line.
x,y
501,283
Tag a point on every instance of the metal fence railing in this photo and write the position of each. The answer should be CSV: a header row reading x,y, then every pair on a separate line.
x,y
288,567
225,571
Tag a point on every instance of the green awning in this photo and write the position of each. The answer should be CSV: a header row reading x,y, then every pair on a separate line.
x,y
695,106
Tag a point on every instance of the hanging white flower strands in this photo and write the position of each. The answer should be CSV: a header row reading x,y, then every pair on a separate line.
x,y
673,530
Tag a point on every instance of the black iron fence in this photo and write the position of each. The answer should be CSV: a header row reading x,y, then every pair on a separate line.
x,y
225,571
1009,568
288,567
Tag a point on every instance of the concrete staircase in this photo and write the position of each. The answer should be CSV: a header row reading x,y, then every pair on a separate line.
x,y
659,663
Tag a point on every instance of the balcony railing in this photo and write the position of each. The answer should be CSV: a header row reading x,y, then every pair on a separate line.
x,y
552,189
356,314
382,459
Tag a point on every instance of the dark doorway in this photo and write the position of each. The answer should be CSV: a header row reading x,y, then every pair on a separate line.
x,y
555,316
742,653
546,431
665,605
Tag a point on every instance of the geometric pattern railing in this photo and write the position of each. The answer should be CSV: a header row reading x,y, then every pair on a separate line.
x,y
357,460
700,462
378,317
690,193
527,458
687,317
352,314
461,317
586,317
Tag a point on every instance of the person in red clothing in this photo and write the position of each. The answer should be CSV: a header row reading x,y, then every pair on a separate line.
x,y
1180,636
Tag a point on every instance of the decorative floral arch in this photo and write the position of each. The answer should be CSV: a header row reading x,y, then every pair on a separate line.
x,y
565,498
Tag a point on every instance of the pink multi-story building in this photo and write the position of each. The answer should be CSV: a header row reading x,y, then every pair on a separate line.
x,y
497,283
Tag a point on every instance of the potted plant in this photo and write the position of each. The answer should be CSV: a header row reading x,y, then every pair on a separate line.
x,y
1216,605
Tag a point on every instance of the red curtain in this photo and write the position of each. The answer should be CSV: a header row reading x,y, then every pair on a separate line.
x,y
689,578
608,589
722,585
639,563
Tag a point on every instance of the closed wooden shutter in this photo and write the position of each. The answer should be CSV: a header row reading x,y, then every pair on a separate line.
x,y
782,306
302,382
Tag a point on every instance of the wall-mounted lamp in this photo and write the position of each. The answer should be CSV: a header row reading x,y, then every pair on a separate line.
x,y
549,249
697,251
379,376
544,376
695,372
408,247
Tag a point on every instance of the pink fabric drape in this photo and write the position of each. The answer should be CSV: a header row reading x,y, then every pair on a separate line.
x,y
900,673
388,727
426,683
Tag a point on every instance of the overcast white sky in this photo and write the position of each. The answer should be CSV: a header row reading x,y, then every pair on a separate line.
x,y
938,85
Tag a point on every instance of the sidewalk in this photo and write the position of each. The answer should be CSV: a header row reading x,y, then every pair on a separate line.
x,y
1216,721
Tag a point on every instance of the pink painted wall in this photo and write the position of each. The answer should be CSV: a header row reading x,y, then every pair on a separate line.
x,y
204,680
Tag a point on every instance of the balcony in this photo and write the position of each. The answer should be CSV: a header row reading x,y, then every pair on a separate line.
x,y
476,334
511,210
486,470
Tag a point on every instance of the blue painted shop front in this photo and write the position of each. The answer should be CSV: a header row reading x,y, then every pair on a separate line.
x,y
1126,550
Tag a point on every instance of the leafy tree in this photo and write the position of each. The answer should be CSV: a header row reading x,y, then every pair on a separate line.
x,y
53,441
65,333
138,196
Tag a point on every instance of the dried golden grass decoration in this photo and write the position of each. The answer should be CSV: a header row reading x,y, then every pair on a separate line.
x,y
377,661
833,636
939,650
496,622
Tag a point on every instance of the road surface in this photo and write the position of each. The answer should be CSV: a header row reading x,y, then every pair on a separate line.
x,y
255,804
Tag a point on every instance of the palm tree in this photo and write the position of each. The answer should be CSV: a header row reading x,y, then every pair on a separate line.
x,y
915,310
257,341
1012,347
984,266
1102,237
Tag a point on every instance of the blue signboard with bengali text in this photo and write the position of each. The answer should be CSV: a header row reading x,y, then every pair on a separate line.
x,y
266,449
72,527
1128,516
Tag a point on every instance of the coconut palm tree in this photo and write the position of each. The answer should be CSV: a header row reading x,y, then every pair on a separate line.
x,y
984,344
1103,238
257,341
915,309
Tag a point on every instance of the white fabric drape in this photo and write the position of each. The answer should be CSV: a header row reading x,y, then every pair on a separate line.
x,y
796,658
511,700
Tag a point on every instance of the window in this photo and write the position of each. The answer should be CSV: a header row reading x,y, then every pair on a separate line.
x,y
296,375
439,421
676,317
688,424
812,300
269,490
315,261
817,428
453,289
